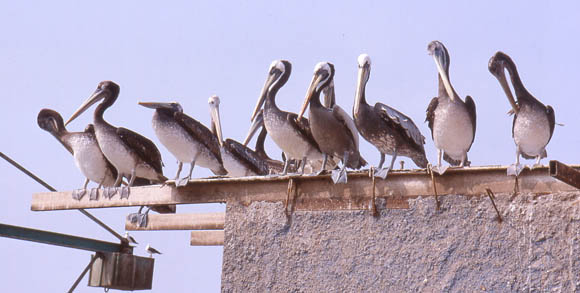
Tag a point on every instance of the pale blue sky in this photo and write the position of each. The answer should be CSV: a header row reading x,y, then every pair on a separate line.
x,y
54,53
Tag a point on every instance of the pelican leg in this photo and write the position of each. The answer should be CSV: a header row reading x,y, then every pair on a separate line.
x,y
143,218
79,193
383,172
179,166
183,181
286,163
339,176
537,164
324,159
302,165
125,190
109,192
382,161
439,169
516,168
94,194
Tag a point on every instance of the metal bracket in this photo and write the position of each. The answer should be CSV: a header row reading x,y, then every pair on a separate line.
x,y
565,173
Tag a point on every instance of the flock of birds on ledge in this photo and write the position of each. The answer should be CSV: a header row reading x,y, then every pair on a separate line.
x,y
106,154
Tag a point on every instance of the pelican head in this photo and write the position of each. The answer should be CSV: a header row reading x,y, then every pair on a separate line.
x,y
278,75
441,57
323,75
171,106
497,65
50,121
106,90
214,108
364,71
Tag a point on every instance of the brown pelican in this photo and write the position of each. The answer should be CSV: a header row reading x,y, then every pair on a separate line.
x,y
238,159
533,123
85,150
132,154
389,130
292,135
275,166
452,121
186,138
332,128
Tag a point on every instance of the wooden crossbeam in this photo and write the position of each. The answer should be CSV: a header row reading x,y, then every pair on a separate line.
x,y
207,238
205,221
318,192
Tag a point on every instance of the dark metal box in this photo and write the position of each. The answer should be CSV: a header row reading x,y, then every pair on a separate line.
x,y
122,271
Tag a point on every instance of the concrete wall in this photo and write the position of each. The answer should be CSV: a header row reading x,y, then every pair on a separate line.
x,y
461,248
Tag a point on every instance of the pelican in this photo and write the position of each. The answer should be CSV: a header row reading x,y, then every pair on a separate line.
x,y
85,150
389,130
186,138
332,128
238,159
292,135
132,154
274,165
533,123
452,121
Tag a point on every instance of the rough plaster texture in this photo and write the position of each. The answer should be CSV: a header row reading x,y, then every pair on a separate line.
x,y
461,248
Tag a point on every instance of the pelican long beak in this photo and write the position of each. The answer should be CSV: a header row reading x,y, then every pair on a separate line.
x,y
437,57
258,122
215,119
95,97
269,81
316,79
508,92
156,105
360,88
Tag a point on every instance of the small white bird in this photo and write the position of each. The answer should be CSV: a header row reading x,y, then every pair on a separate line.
x,y
130,238
151,250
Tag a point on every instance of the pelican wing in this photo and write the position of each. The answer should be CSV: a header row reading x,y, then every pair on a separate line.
x,y
431,113
145,148
200,133
470,104
249,158
303,126
348,123
551,119
401,121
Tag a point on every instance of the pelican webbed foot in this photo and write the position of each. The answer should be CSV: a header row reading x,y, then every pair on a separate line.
x,y
94,194
382,173
515,169
339,176
79,193
124,191
109,192
139,218
439,169
182,181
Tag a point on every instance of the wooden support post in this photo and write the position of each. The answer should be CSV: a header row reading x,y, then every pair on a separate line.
x,y
207,238
206,221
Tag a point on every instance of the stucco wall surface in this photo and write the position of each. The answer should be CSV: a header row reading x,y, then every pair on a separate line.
x,y
460,248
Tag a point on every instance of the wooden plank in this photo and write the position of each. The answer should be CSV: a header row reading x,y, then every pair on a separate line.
x,y
207,238
318,192
205,221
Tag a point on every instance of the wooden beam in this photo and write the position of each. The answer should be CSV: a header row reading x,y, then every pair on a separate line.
x,y
565,173
207,238
318,192
206,221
